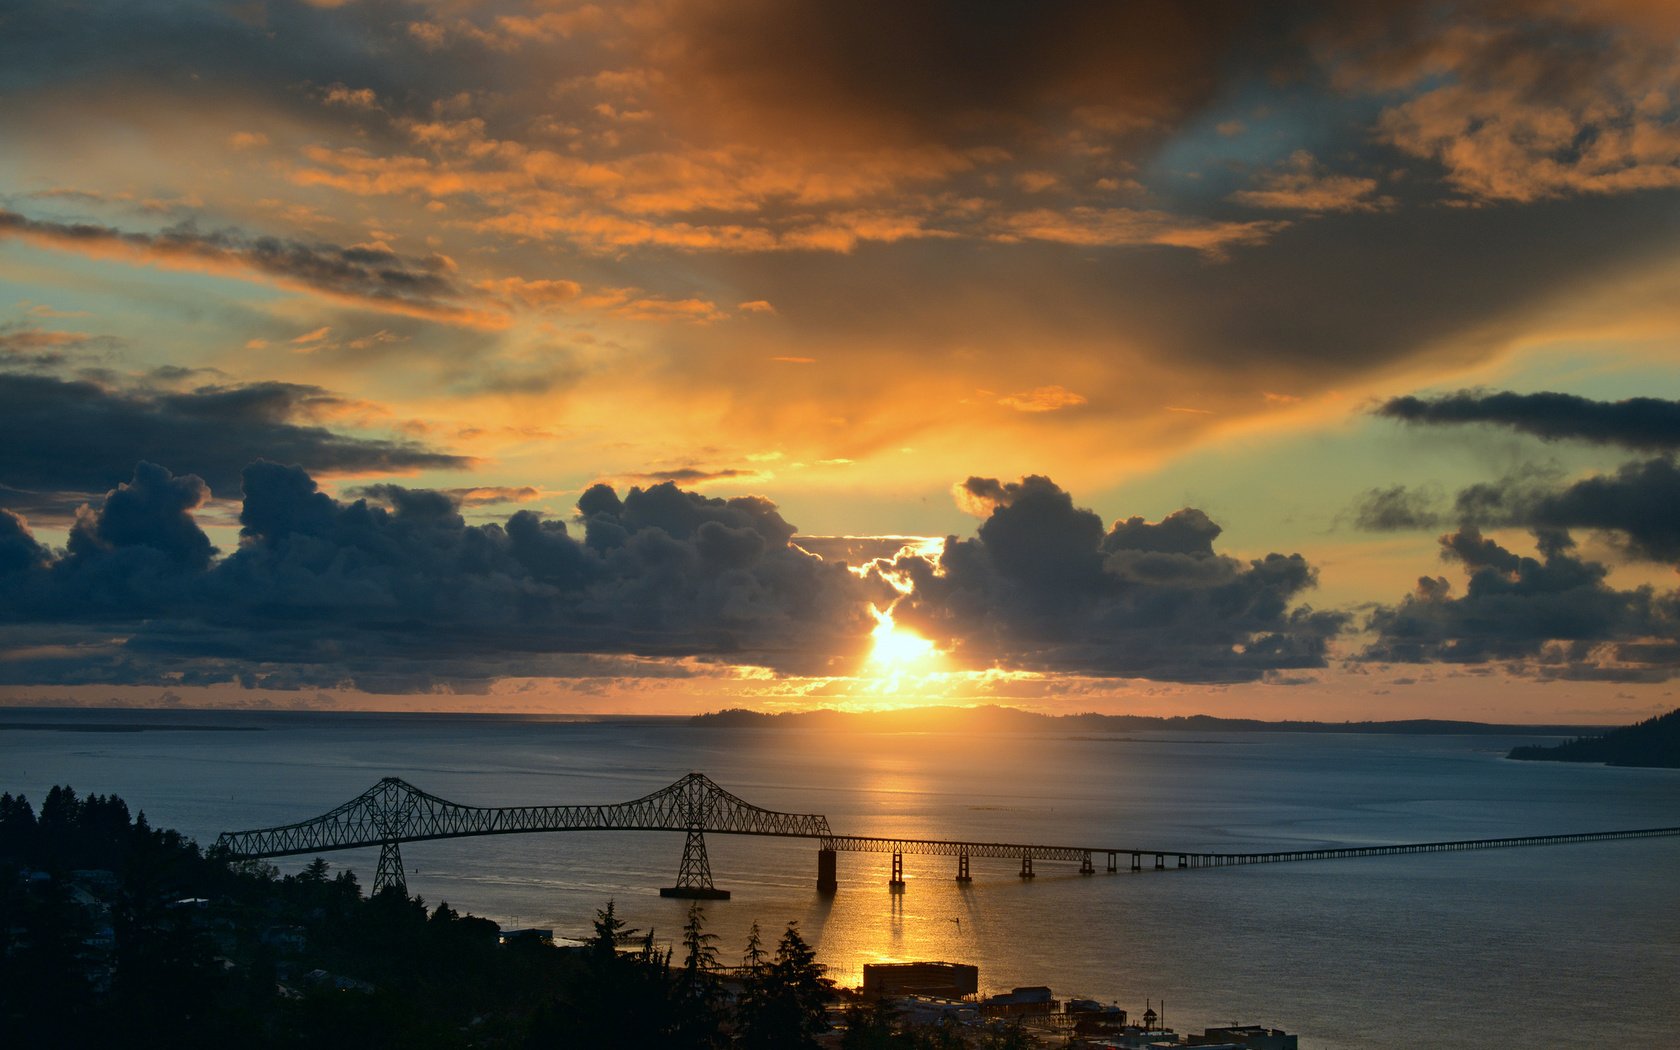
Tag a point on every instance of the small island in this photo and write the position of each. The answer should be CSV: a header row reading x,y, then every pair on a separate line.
x,y
1654,742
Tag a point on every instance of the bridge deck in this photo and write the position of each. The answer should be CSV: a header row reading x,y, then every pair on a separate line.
x,y
1188,859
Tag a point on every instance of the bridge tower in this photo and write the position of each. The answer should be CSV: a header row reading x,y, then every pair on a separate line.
x,y
389,874
694,876
698,800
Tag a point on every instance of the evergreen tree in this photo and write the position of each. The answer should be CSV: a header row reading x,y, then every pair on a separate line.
x,y
753,959
697,1010
784,1003
610,934
701,955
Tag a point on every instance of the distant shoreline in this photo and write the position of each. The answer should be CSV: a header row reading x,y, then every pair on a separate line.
x,y
125,727
1007,719
909,720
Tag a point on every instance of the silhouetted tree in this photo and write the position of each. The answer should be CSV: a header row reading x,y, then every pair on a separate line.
x,y
783,1005
697,1007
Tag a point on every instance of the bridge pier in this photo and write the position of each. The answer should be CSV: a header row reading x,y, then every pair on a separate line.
x,y
827,879
694,877
1160,862
1085,867
1113,863
1137,862
962,868
896,883
1026,866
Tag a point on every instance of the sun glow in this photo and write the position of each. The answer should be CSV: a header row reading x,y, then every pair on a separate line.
x,y
895,647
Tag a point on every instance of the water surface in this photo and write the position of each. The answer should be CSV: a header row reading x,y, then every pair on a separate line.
x,y
1496,947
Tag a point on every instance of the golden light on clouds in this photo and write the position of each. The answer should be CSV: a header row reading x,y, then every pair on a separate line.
x,y
803,268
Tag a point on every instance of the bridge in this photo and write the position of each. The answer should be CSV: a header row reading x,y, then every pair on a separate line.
x,y
394,811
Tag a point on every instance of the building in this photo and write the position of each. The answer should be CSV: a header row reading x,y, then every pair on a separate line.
x,y
1034,1000
940,980
1246,1036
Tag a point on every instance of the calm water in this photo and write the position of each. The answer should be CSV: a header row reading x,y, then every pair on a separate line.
x,y
1489,948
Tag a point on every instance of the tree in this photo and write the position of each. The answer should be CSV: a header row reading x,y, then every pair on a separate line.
x,y
785,1002
753,958
702,956
697,1008
610,934
17,827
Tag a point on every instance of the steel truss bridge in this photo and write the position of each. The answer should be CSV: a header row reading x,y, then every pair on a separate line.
x,y
394,811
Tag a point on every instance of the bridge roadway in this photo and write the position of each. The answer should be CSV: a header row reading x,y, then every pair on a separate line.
x,y
1028,853
393,811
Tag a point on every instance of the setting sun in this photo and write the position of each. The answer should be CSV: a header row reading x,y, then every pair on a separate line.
x,y
895,647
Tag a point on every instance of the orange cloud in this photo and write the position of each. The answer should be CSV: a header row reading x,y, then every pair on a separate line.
x,y
1301,184
362,277
1115,227
1042,399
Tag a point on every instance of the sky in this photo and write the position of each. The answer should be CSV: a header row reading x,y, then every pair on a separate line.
x,y
1267,360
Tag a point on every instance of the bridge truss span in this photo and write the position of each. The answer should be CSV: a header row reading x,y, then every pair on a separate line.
x,y
394,811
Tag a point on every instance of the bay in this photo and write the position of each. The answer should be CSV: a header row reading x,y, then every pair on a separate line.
x,y
1475,949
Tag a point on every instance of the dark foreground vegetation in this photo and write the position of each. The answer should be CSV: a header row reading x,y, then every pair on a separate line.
x,y
114,934
1653,742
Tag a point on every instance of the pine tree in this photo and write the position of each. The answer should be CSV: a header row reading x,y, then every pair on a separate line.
x,y
753,959
785,1002
702,956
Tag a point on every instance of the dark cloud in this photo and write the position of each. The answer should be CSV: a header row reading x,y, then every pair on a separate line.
x,y
1647,424
1397,507
1554,616
139,554
1635,504
19,553
61,440
469,496
410,596
367,275
154,511
1044,586
1639,503
946,70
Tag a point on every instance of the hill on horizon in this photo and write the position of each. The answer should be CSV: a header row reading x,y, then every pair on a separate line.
x,y
1653,743
993,718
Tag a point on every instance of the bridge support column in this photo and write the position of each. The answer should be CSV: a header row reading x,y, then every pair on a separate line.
x,y
1085,867
1026,866
896,883
827,879
694,878
1183,861
1113,863
962,868
1137,862
389,875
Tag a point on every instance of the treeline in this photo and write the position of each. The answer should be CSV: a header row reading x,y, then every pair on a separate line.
x,y
1653,742
116,934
